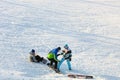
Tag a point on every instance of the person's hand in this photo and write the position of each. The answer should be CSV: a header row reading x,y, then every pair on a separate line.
x,y
61,53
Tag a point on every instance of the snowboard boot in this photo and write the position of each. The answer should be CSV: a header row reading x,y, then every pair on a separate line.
x,y
57,70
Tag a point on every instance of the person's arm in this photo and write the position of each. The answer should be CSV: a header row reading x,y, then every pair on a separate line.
x,y
34,59
67,55
58,54
55,58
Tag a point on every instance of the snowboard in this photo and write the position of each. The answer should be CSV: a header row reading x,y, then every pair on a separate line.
x,y
80,76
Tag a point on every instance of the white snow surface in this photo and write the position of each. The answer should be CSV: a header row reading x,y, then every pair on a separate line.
x,y
90,27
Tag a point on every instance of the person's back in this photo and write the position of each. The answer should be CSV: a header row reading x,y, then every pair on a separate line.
x,y
32,56
53,53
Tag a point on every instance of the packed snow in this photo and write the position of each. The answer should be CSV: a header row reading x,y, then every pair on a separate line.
x,y
90,27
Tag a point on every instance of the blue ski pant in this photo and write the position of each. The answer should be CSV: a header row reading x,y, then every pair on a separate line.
x,y
68,63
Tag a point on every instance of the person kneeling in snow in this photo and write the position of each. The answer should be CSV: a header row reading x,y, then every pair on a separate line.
x,y
66,56
35,58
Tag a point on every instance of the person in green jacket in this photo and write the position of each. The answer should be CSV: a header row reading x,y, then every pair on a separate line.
x,y
52,57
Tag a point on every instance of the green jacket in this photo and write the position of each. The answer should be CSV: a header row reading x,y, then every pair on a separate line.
x,y
52,56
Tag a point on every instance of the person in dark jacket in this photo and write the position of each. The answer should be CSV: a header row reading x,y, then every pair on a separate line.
x,y
52,57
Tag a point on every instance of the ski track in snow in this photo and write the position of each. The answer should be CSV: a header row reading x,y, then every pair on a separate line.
x,y
90,27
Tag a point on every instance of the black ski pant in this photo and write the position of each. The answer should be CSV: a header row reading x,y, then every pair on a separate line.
x,y
53,61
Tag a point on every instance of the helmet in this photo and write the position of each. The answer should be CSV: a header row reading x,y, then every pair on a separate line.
x,y
33,51
66,46
59,48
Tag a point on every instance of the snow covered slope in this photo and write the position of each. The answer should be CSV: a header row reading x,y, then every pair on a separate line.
x,y
90,27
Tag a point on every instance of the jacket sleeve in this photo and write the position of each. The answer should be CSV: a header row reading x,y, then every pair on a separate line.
x,y
34,59
55,58
68,56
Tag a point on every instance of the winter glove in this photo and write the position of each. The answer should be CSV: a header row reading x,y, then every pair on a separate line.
x,y
62,53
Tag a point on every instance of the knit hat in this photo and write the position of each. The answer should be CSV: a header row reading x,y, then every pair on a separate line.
x,y
33,51
59,48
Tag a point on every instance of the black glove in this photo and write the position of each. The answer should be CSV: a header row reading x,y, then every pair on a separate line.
x,y
61,53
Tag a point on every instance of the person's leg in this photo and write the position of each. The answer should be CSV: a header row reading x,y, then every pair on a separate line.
x,y
69,64
55,64
51,62
55,68
61,61
38,58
